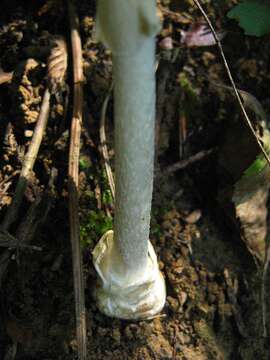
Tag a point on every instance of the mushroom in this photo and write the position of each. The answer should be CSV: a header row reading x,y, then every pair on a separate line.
x,y
130,285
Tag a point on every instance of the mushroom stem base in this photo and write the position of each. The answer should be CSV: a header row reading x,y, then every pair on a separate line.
x,y
117,293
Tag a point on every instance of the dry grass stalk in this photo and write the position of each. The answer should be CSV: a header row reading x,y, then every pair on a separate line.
x,y
103,142
73,169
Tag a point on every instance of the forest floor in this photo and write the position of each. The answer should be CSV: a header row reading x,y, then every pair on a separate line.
x,y
214,305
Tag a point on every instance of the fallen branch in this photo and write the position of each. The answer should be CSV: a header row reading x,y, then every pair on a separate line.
x,y
73,169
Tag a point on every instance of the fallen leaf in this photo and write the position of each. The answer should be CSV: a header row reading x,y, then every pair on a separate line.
x,y
199,34
253,16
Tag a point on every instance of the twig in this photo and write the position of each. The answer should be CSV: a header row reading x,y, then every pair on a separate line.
x,y
185,163
73,168
29,162
103,143
182,133
236,92
9,241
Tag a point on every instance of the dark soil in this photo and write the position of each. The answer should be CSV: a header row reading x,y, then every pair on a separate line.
x,y
213,308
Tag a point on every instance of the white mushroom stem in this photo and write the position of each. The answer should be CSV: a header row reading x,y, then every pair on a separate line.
x,y
134,153
131,284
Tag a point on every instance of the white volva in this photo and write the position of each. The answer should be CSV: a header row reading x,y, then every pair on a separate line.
x,y
130,283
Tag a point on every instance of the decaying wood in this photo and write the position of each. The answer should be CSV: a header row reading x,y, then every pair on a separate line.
x,y
73,169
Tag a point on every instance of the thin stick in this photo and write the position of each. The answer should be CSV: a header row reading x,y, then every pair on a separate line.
x,y
29,162
185,163
103,143
73,169
236,93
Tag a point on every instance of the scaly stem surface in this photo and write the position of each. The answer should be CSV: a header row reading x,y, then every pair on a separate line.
x,y
134,91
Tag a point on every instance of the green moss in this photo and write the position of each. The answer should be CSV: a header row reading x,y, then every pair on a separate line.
x,y
93,226
186,85
94,222
156,229
157,214
106,197
84,163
